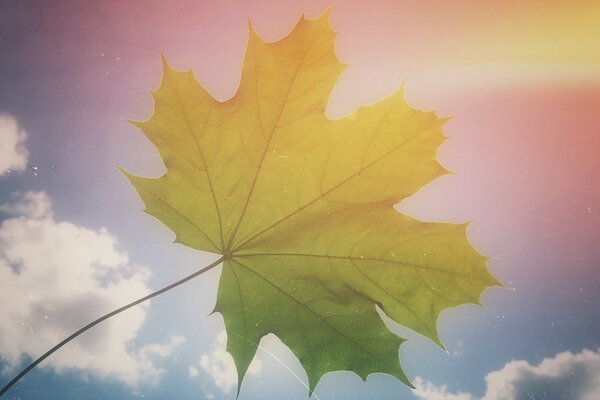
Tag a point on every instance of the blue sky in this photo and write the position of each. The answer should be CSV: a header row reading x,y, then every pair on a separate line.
x,y
74,243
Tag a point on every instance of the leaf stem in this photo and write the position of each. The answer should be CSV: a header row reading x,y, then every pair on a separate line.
x,y
105,317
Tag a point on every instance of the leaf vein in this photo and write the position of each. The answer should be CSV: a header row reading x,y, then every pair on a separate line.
x,y
342,334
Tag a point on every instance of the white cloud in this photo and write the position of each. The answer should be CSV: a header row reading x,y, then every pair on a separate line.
x,y
426,390
34,205
220,366
566,376
161,350
147,354
13,154
55,277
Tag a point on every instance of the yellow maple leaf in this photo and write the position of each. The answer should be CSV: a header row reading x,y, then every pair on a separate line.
x,y
301,208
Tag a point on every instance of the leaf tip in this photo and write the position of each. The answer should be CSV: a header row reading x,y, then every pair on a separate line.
x,y
239,385
252,34
163,60
497,283
402,90
435,337
324,16
312,385
216,309
166,68
400,375
445,118
122,170
442,345
136,123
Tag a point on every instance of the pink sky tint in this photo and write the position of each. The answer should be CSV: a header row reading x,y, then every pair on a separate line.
x,y
432,46
527,165
521,81
523,93
524,133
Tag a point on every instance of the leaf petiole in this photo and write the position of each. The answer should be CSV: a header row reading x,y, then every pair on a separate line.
x,y
105,317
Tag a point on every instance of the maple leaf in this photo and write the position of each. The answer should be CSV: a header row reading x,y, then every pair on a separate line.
x,y
301,208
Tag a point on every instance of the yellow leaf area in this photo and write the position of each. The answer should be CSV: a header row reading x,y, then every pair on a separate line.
x,y
301,208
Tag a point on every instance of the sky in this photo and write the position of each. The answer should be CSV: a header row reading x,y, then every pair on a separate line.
x,y
521,82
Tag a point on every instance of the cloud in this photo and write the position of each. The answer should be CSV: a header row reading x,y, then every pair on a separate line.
x,y
146,355
55,277
33,205
426,390
566,376
13,154
220,366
